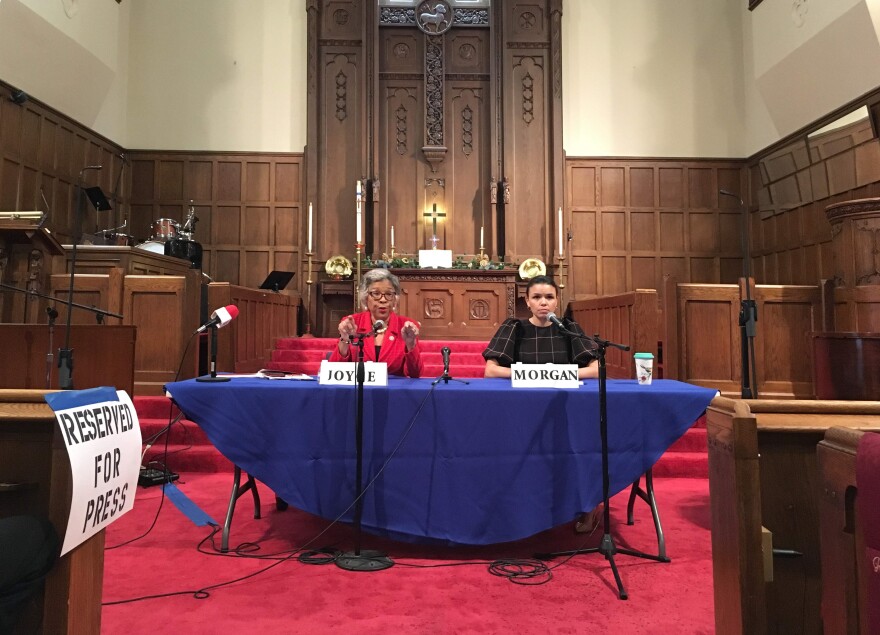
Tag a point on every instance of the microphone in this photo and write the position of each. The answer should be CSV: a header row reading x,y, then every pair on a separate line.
x,y
445,353
552,317
220,318
378,325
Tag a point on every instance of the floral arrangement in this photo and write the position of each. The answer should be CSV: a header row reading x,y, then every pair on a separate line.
x,y
412,262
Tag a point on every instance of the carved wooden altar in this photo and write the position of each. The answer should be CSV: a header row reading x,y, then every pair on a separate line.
x,y
457,303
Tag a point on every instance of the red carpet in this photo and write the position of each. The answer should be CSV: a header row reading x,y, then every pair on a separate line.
x,y
299,598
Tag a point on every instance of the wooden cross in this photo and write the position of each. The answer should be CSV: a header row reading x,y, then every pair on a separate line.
x,y
434,215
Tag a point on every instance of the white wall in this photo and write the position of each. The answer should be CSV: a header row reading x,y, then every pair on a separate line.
x,y
76,63
806,58
222,75
653,78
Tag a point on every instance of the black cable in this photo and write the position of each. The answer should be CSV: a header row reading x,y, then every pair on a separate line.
x,y
202,593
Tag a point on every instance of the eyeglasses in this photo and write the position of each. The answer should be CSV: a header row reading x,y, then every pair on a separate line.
x,y
376,295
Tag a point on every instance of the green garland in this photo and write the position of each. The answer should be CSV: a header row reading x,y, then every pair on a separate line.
x,y
411,262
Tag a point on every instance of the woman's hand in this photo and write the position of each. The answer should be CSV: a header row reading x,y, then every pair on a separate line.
x,y
347,328
410,332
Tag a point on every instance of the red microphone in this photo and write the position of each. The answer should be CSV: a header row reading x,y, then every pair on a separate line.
x,y
220,318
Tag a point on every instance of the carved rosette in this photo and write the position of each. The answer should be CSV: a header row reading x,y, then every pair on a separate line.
x,y
528,98
467,131
400,113
341,93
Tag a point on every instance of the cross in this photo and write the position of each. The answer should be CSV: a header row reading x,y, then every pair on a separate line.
x,y
434,215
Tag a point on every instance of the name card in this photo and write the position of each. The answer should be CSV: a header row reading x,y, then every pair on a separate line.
x,y
544,376
343,373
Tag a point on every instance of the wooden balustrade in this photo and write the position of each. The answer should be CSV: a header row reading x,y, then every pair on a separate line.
x,y
629,318
245,346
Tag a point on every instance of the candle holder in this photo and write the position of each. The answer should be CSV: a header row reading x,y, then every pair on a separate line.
x,y
309,283
357,280
561,271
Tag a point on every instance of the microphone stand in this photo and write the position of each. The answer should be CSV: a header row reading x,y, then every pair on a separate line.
x,y
65,355
607,547
446,377
50,356
213,376
357,560
748,313
52,313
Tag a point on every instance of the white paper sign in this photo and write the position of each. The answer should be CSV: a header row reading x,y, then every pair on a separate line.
x,y
435,258
103,442
544,376
343,373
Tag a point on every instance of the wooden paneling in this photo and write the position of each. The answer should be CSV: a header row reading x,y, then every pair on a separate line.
x,y
702,345
467,305
41,148
787,316
245,345
104,355
248,205
632,319
634,221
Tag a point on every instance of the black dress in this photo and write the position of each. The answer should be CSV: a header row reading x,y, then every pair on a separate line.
x,y
521,341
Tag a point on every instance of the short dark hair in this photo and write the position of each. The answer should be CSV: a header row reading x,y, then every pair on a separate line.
x,y
542,280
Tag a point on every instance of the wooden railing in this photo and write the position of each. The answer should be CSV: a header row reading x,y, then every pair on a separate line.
x,y
164,308
629,318
246,345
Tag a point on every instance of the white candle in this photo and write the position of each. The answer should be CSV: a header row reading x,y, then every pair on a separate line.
x,y
392,237
359,212
481,237
310,226
561,247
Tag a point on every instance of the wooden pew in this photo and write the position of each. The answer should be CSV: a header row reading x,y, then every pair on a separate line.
x,y
763,472
844,570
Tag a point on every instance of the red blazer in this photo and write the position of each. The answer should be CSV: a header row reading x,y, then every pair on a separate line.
x,y
393,351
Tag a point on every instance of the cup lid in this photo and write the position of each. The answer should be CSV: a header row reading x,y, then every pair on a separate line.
x,y
644,356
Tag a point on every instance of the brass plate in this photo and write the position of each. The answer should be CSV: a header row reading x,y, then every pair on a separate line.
x,y
338,267
532,267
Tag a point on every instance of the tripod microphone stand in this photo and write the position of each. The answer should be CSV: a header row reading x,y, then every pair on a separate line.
x,y
607,547
357,560
446,377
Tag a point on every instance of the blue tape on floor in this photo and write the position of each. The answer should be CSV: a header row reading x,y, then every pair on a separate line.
x,y
187,507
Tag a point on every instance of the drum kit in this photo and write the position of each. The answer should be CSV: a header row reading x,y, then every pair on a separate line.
x,y
170,238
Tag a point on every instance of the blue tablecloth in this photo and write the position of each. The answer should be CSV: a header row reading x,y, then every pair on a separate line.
x,y
480,464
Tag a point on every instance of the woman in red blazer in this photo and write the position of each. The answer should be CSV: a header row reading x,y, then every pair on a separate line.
x,y
396,343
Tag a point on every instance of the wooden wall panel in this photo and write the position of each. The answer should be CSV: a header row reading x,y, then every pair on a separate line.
x,y
250,217
652,218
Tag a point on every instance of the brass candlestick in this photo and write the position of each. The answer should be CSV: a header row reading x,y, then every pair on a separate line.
x,y
357,279
561,268
309,281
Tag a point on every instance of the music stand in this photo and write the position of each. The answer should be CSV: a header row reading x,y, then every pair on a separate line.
x,y
97,198
277,280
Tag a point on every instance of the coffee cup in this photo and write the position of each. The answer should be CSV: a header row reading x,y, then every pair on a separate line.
x,y
644,368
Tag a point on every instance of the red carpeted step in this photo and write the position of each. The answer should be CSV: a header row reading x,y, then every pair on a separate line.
x,y
694,440
682,465
184,432
188,458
